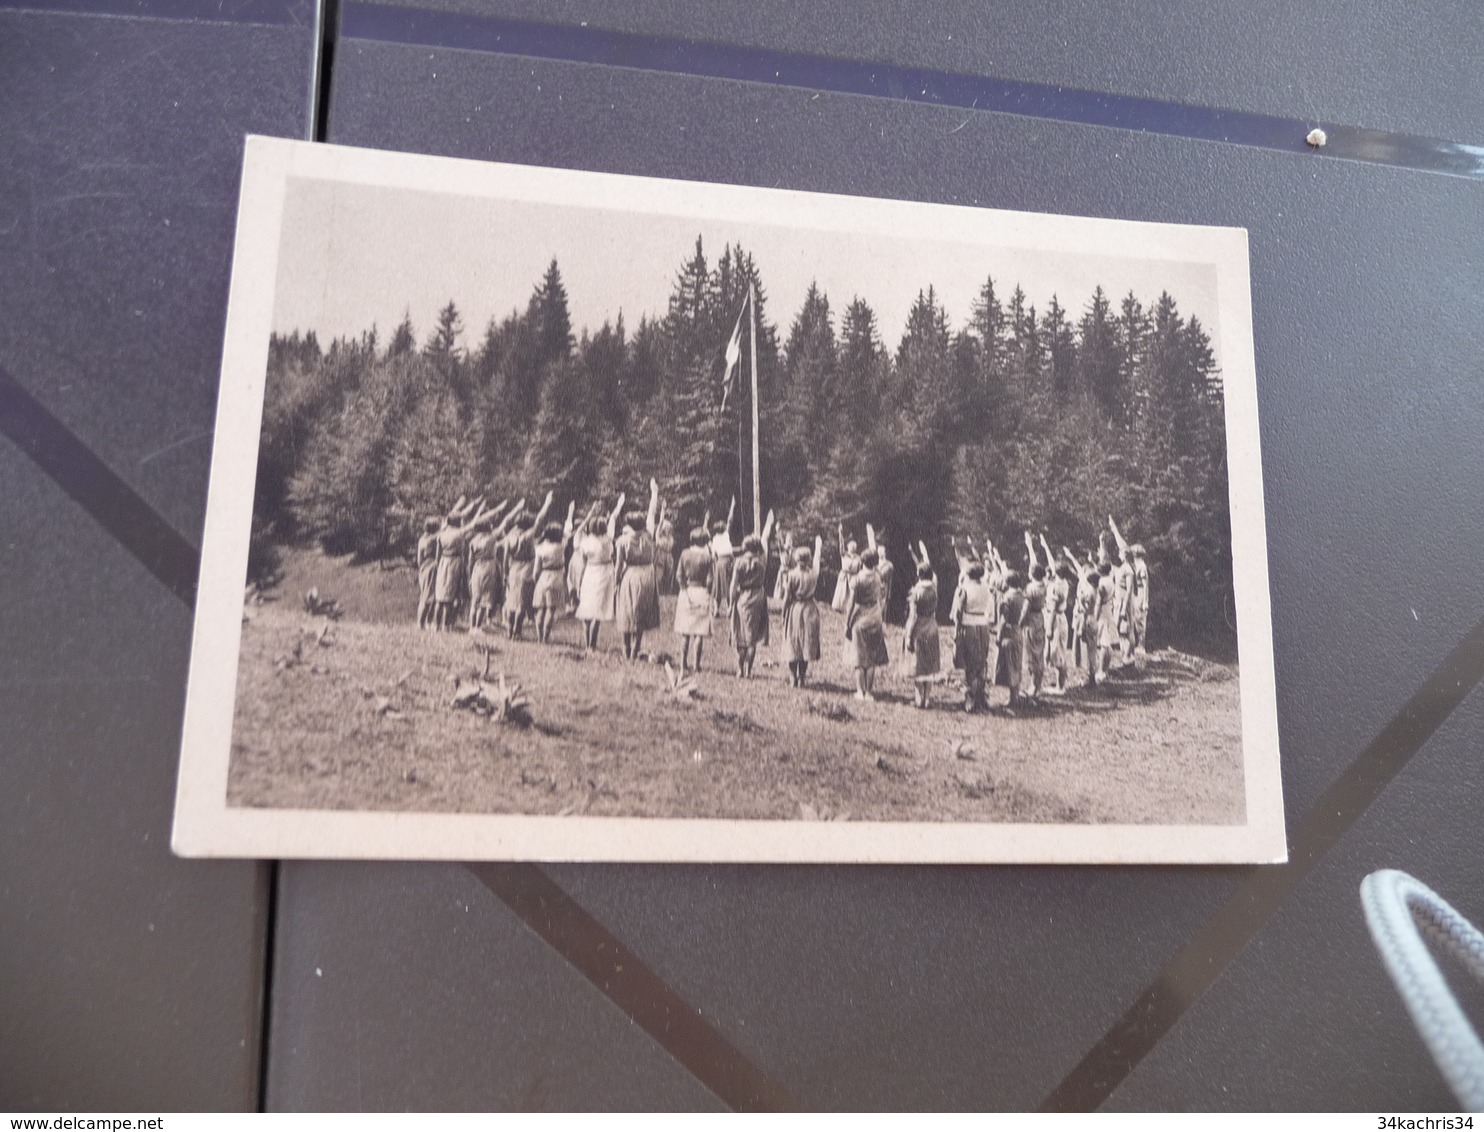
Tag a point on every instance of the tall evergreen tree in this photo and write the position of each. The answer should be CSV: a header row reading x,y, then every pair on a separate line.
x,y
443,345
404,338
1099,365
554,321
1061,348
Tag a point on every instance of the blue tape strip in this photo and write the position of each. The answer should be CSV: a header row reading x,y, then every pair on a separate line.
x,y
672,55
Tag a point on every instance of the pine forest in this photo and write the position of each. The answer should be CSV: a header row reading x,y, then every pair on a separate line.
x,y
1005,419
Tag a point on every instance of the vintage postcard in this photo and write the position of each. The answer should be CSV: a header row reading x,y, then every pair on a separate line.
x,y
570,516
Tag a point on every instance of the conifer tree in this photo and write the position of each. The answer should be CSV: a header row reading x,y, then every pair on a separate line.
x,y
404,338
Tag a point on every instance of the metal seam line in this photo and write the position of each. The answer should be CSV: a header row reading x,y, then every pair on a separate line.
x,y
326,36
264,13
1226,934
674,55
269,971
675,1025
101,492
389,23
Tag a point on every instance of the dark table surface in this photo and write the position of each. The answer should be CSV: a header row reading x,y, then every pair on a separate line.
x,y
131,980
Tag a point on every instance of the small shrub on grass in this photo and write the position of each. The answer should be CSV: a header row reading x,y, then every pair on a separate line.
x,y
828,709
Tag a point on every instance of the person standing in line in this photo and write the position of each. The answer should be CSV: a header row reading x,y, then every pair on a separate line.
x,y
749,602
519,552
427,572
597,587
785,563
921,639
1033,624
574,561
638,598
801,611
664,552
448,584
971,632
723,551
1106,619
1012,632
693,605
1058,596
1086,617
864,629
549,570
1079,606
997,576
1123,582
876,540
1139,604
850,564
484,570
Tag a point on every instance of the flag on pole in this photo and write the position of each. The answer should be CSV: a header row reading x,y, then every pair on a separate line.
x,y
733,356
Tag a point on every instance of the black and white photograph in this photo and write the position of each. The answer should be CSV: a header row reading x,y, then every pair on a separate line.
x,y
564,515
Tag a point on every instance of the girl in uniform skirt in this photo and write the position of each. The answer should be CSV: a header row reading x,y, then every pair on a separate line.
x,y
1084,602
484,571
850,564
971,641
520,564
594,566
801,612
427,572
664,552
484,565
749,600
723,552
1012,636
549,591
921,638
1055,614
1139,603
638,597
1058,593
693,575
1106,619
448,581
863,627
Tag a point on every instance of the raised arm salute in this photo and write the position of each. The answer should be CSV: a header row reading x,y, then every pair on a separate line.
x,y
549,592
1123,588
971,633
1139,601
484,563
638,596
850,564
921,638
1058,594
664,552
449,579
863,626
749,602
597,583
1033,621
693,604
520,559
723,551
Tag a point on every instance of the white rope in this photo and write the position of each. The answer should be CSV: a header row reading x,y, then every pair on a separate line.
x,y
1400,910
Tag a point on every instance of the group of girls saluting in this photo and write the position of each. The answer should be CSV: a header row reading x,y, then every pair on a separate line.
x,y
1009,626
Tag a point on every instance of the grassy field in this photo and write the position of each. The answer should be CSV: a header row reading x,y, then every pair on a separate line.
x,y
359,716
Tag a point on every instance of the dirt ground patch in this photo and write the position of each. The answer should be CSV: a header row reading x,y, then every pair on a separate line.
x,y
362,720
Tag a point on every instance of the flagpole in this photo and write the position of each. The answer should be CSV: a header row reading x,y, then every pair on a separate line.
x,y
757,492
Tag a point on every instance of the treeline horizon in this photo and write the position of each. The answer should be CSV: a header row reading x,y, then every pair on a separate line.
x,y
1018,420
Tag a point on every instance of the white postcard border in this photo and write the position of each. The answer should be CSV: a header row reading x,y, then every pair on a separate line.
x,y
205,826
